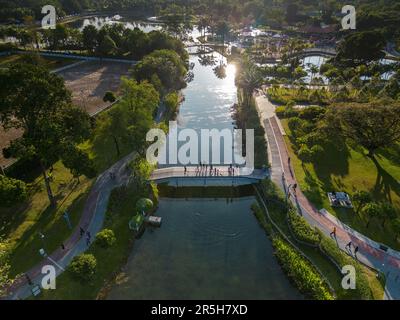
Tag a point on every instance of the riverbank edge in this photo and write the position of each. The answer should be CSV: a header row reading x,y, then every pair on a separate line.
x,y
269,229
104,291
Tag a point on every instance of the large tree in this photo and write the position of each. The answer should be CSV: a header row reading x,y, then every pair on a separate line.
x,y
126,124
373,126
167,65
361,47
37,102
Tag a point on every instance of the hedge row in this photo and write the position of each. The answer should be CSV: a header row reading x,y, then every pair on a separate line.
x,y
302,230
307,280
329,247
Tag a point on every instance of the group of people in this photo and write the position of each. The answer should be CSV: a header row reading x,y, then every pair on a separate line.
x,y
88,235
348,246
205,169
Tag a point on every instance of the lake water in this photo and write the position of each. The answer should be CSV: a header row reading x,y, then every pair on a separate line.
x,y
208,247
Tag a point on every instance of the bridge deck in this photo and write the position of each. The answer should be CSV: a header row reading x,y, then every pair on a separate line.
x,y
223,172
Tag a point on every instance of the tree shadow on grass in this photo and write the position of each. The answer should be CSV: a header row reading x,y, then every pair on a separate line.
x,y
333,161
55,229
313,189
385,183
392,154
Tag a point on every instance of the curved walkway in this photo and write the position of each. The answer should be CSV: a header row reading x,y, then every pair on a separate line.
x,y
91,220
370,252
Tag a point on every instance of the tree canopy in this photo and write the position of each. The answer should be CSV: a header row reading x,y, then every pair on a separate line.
x,y
36,101
374,125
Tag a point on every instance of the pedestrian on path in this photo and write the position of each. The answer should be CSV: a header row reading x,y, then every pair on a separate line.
x,y
333,233
28,278
62,246
88,242
89,236
349,245
356,251
81,231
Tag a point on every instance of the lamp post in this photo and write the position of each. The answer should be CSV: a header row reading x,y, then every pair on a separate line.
x,y
43,253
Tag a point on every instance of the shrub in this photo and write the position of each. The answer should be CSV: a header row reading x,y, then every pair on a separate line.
x,y
305,154
302,230
109,97
312,113
105,238
329,247
12,191
83,267
308,281
259,214
172,102
281,112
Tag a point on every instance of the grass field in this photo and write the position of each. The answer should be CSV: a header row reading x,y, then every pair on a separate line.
x,y
50,63
110,260
349,171
23,223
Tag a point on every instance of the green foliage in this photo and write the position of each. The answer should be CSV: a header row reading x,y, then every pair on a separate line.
x,y
301,271
302,230
362,291
281,112
247,117
167,65
83,267
107,46
109,96
36,101
79,163
141,170
4,265
283,96
373,126
105,238
144,205
171,101
260,215
126,124
305,154
12,191
361,47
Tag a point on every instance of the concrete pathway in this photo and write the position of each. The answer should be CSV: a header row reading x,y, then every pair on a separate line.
x,y
370,252
92,220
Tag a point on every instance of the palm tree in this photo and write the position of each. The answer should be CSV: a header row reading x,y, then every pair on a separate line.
x,y
249,79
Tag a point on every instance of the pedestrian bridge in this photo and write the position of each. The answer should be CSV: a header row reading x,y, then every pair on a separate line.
x,y
218,176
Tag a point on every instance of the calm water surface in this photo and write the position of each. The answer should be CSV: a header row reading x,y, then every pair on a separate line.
x,y
210,247
205,249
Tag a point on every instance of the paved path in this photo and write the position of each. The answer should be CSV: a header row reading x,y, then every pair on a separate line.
x,y
370,253
194,172
92,220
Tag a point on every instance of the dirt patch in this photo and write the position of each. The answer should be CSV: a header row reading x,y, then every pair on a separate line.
x,y
88,83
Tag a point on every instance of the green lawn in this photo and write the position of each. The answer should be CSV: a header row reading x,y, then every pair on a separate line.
x,y
350,170
110,260
22,224
49,62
